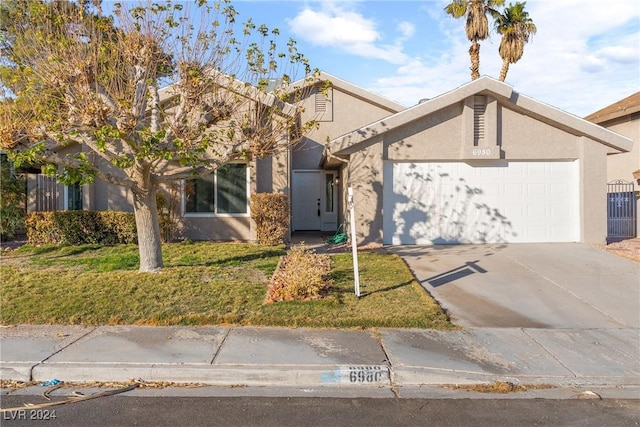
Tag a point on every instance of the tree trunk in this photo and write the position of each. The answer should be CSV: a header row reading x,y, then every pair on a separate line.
x,y
504,70
149,242
474,54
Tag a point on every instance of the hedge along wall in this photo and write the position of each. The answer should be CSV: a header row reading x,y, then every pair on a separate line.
x,y
270,211
80,227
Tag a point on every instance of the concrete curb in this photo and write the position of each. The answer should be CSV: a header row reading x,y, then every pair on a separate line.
x,y
229,375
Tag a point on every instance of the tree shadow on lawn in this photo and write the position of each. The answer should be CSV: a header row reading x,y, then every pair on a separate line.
x,y
230,261
69,250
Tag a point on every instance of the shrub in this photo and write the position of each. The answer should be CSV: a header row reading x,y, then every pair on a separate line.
x,y
12,200
80,227
270,211
301,275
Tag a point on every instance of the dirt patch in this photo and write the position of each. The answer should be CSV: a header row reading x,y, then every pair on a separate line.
x,y
11,245
16,385
502,387
629,248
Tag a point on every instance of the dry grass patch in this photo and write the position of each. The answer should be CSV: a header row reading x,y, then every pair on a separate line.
x,y
203,284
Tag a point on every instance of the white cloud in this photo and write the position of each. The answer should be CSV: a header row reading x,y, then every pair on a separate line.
x,y
579,64
407,29
337,27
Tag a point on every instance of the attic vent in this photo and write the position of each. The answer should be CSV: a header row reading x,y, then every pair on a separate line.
x,y
321,103
479,109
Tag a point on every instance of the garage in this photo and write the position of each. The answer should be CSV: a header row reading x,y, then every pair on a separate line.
x,y
499,202
479,164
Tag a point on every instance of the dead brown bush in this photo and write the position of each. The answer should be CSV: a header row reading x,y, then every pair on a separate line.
x,y
301,275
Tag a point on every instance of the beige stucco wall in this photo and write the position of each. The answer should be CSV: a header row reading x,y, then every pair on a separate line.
x,y
348,112
215,228
365,176
593,184
443,134
622,166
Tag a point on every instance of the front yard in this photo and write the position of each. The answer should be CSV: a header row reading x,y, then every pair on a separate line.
x,y
202,284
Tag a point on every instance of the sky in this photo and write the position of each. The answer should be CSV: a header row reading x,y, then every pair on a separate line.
x,y
584,56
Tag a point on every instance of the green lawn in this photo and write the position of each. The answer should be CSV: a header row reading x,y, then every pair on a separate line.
x,y
201,284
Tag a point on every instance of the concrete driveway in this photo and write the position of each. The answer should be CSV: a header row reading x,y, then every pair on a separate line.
x,y
554,285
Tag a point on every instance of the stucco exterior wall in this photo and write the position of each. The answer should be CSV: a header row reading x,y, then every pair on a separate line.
x,y
593,184
218,228
523,137
436,136
443,135
622,166
365,176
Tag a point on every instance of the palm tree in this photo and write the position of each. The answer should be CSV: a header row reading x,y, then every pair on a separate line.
x,y
477,26
516,27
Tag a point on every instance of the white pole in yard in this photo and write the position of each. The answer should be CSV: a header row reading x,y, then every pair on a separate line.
x,y
354,245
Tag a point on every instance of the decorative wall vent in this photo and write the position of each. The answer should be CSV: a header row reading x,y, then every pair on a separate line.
x,y
479,110
321,103
480,128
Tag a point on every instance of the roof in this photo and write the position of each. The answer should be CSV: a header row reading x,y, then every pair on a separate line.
x,y
239,87
356,91
353,141
624,107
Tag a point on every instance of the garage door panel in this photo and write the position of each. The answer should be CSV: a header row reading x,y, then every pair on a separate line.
x,y
460,203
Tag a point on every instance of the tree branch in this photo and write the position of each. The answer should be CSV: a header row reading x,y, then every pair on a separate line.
x,y
155,107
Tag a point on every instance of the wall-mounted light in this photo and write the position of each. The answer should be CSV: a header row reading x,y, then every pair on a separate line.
x,y
336,181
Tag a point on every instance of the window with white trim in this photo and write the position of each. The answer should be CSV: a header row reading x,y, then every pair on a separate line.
x,y
223,192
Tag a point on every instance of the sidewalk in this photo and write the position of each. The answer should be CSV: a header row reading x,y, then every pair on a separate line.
x,y
281,357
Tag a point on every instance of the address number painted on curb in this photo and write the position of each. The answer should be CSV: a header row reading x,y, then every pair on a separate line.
x,y
374,374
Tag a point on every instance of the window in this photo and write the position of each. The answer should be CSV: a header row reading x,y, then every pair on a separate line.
x,y
223,192
74,197
328,187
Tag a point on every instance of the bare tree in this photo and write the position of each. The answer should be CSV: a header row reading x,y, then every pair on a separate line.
x,y
152,94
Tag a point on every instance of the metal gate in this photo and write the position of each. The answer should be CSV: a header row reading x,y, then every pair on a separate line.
x,y
621,211
46,193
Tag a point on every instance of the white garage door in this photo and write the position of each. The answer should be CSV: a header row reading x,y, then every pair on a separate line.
x,y
440,203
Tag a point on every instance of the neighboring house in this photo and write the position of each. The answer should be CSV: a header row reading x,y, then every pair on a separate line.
x,y
622,117
479,164
623,169
482,163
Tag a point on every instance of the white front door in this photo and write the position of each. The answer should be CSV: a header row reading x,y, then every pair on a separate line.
x,y
515,202
306,201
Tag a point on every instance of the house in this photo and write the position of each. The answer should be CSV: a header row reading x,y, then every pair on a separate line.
x,y
623,169
481,163
216,207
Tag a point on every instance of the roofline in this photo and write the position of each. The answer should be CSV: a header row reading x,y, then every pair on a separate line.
x,y
356,91
484,85
241,88
624,107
